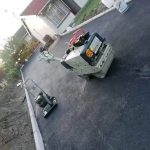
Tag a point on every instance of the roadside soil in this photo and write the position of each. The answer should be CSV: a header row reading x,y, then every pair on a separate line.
x,y
15,126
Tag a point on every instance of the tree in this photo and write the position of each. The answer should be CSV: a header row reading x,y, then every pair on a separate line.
x,y
8,56
15,53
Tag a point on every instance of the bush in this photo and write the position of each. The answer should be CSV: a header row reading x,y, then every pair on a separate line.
x,y
15,54
26,53
7,55
13,73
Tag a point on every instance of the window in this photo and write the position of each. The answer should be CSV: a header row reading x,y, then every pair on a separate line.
x,y
57,12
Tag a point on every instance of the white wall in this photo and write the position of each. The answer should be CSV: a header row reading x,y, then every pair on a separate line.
x,y
39,27
66,22
27,38
81,3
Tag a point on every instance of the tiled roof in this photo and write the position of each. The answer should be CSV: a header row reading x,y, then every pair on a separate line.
x,y
34,7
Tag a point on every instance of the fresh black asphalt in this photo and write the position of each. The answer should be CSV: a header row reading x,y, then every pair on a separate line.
x,y
101,114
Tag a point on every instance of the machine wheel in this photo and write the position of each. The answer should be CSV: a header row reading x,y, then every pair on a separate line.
x,y
99,75
86,77
54,100
45,116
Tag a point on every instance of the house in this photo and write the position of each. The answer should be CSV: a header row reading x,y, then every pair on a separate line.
x,y
22,35
50,17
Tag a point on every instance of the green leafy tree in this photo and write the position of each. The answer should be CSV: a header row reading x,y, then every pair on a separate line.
x,y
15,54
8,56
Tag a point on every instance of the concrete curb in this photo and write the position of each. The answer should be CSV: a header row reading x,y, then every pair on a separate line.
x,y
36,131
90,20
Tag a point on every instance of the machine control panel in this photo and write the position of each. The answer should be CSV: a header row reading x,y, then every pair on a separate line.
x,y
93,45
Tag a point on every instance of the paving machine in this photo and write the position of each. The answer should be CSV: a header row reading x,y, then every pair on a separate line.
x,y
88,55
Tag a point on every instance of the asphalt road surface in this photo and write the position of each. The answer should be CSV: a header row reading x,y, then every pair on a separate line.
x,y
101,114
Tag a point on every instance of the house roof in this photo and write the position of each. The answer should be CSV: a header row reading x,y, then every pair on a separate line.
x,y
34,7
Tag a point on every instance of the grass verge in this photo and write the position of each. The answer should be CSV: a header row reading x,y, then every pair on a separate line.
x,y
86,11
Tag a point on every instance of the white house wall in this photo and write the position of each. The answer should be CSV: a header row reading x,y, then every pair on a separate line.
x,y
81,3
66,22
39,27
50,25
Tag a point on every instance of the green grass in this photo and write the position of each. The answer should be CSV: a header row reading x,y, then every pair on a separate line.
x,y
86,11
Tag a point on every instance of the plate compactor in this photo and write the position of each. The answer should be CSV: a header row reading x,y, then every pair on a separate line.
x,y
46,102
87,55
40,97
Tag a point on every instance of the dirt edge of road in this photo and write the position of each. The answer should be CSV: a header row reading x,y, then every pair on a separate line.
x,y
15,126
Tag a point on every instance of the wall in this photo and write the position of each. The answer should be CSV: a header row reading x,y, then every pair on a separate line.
x,y
81,3
66,22
27,38
39,27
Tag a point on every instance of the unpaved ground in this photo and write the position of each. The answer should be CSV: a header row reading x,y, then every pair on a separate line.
x,y
15,126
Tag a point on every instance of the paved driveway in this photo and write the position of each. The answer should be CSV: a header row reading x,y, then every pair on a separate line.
x,y
102,114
